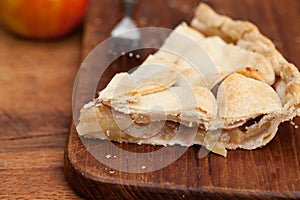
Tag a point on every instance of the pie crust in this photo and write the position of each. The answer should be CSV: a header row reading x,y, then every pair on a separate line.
x,y
172,100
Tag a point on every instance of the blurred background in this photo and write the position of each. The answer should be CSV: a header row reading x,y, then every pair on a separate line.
x,y
39,56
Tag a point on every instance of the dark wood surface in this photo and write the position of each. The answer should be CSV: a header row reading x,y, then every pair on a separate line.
x,y
270,172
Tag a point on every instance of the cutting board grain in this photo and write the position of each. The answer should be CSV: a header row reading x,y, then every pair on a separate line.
x,y
270,172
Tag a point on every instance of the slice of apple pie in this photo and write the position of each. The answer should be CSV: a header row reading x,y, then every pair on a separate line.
x,y
235,99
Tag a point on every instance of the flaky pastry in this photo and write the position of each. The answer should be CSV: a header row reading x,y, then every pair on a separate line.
x,y
235,99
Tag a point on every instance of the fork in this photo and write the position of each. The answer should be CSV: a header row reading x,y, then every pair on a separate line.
x,y
125,35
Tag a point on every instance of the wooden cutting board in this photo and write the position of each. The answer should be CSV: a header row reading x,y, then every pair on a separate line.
x,y
270,172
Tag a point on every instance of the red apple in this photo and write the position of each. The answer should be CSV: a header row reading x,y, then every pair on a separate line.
x,y
42,19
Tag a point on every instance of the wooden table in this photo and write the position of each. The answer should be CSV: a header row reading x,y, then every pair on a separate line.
x,y
36,86
35,112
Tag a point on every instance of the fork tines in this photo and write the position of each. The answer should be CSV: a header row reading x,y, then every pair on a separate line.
x,y
120,44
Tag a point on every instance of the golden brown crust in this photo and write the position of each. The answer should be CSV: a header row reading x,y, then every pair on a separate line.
x,y
246,35
238,99
210,23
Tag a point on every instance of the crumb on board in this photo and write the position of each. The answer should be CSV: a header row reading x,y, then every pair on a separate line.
x,y
294,124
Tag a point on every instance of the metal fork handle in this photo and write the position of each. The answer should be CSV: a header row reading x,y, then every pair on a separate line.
x,y
129,7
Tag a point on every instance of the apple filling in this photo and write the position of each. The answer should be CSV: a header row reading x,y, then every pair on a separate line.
x,y
138,128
